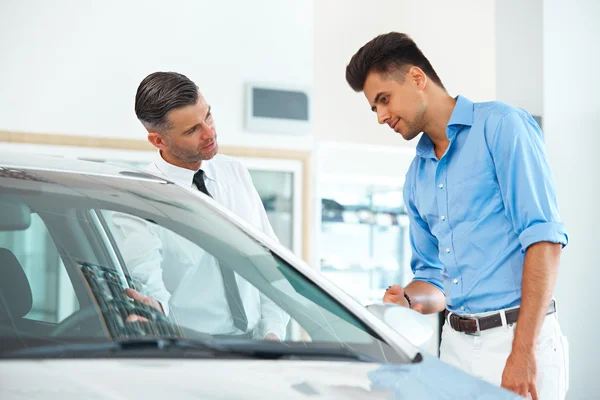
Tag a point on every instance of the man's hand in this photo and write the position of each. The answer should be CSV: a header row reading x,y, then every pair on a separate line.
x,y
271,337
395,294
142,298
520,373
539,277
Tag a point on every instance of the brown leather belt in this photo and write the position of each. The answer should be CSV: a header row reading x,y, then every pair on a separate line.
x,y
474,325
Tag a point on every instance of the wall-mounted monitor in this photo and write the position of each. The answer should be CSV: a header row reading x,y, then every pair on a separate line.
x,y
277,109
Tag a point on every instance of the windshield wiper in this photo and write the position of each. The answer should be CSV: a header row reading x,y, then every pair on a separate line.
x,y
297,351
176,348
138,347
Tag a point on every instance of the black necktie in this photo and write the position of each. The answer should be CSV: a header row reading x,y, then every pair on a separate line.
x,y
232,292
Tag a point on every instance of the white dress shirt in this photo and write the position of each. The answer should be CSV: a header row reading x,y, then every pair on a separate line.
x,y
184,278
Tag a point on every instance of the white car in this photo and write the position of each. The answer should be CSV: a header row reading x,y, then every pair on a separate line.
x,y
65,329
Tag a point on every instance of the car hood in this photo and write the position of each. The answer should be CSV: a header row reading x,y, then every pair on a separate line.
x,y
168,379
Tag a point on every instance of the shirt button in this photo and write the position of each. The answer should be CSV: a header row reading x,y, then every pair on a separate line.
x,y
462,308
443,218
456,281
447,249
441,185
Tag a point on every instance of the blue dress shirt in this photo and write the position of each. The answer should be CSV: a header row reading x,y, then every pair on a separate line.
x,y
474,212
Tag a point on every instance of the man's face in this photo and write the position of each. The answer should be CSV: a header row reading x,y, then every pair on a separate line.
x,y
400,105
192,137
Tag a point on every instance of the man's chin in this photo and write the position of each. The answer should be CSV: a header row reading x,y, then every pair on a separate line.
x,y
410,135
210,155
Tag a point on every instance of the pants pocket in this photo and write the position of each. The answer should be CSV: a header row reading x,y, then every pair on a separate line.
x,y
452,351
552,356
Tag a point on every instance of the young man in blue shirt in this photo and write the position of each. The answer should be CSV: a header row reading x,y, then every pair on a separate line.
x,y
485,229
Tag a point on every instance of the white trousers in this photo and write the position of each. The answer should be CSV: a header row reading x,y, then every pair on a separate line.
x,y
485,356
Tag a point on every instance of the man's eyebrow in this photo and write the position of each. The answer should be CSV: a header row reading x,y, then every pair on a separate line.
x,y
208,112
374,108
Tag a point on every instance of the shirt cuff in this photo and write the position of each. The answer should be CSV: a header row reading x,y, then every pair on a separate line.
x,y
553,232
433,276
271,327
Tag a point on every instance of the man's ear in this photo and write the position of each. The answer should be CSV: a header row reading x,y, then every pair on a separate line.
x,y
418,76
157,140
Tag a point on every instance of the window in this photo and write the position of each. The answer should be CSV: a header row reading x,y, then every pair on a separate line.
x,y
186,279
52,292
189,283
364,243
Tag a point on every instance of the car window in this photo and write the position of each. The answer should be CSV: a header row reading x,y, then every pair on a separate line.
x,y
186,276
109,235
53,297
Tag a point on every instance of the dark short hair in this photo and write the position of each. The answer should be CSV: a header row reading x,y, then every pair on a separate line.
x,y
160,93
387,54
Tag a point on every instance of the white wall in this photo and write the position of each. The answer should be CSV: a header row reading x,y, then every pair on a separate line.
x,y
72,67
519,55
547,63
457,37
572,128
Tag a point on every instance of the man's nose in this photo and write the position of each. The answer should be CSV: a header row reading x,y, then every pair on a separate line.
x,y
208,131
382,115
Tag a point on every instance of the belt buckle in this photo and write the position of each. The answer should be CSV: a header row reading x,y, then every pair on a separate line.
x,y
478,332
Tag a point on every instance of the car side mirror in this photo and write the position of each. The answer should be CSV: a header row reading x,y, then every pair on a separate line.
x,y
410,324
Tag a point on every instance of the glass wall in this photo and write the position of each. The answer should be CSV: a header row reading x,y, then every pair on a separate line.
x,y
364,245
276,190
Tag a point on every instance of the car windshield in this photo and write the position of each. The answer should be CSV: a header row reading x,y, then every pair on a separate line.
x,y
141,264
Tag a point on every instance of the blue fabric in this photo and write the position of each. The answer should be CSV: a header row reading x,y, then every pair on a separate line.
x,y
474,212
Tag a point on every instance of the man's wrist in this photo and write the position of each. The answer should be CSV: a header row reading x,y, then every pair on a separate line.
x,y
523,344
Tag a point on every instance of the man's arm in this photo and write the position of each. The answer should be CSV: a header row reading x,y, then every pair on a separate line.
x,y
142,252
273,320
528,193
424,297
426,290
539,278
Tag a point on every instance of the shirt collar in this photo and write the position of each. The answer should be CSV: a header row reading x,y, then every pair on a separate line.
x,y
425,148
183,174
462,115
463,112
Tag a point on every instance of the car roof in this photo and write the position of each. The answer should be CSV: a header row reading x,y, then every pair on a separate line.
x,y
62,164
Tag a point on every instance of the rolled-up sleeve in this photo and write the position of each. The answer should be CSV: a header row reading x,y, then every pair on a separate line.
x,y
425,262
525,180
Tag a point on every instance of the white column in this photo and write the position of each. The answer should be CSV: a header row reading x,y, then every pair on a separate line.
x,y
572,128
